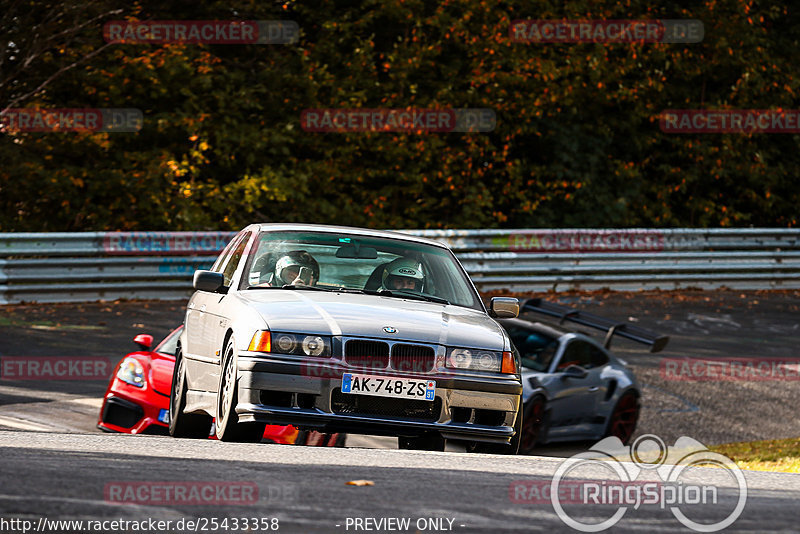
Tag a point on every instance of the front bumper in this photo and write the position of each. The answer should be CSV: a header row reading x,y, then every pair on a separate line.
x,y
131,415
308,395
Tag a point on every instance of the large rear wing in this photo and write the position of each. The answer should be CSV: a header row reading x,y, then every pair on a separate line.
x,y
611,326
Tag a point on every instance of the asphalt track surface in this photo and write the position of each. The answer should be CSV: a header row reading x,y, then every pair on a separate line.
x,y
57,464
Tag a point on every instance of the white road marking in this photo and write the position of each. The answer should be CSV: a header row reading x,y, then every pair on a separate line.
x,y
21,424
92,402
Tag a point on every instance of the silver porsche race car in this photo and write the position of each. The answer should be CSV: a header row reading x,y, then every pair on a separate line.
x,y
575,388
345,330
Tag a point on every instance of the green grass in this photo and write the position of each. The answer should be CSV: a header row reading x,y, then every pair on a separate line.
x,y
780,455
43,325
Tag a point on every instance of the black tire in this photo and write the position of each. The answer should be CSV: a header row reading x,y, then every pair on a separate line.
x,y
501,448
428,442
532,424
228,427
184,425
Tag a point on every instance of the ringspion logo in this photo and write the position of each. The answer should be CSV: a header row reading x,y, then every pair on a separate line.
x,y
697,506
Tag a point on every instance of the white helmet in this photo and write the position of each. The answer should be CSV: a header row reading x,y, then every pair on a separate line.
x,y
297,258
406,270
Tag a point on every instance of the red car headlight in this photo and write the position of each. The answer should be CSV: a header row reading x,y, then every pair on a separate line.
x,y
131,372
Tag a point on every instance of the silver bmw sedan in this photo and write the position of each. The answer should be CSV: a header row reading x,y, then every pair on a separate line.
x,y
352,330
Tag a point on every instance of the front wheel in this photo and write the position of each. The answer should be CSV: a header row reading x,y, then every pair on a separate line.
x,y
532,425
228,427
184,425
623,420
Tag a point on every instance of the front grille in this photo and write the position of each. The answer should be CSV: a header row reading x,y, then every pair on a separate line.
x,y
349,404
364,353
413,358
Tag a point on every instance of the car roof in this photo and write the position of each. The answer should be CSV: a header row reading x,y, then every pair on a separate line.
x,y
273,227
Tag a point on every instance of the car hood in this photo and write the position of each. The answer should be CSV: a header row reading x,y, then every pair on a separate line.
x,y
357,315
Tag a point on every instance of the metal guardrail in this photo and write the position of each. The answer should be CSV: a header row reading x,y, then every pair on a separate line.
x,y
63,267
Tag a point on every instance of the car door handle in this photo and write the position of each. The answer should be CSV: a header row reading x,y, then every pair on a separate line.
x,y
203,308
594,388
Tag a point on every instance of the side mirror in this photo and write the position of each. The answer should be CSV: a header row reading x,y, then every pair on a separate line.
x,y
145,341
208,281
574,371
504,307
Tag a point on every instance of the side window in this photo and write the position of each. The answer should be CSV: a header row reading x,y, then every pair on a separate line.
x,y
576,353
223,257
235,258
599,358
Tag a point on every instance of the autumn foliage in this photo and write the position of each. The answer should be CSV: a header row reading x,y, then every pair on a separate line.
x,y
577,141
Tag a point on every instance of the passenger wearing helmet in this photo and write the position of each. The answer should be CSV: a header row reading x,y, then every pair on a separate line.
x,y
403,274
296,268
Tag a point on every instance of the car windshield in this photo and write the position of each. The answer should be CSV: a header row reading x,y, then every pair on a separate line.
x,y
350,262
169,344
536,350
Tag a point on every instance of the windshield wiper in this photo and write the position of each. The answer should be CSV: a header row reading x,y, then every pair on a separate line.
x,y
400,293
290,286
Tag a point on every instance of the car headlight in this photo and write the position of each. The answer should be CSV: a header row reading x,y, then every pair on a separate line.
x,y
481,360
301,344
131,372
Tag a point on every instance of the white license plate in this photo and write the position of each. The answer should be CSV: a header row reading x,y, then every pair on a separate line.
x,y
385,386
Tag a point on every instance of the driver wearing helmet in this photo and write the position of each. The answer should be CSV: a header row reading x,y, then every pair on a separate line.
x,y
403,274
296,268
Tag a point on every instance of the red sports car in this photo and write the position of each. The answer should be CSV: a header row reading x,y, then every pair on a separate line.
x,y
137,398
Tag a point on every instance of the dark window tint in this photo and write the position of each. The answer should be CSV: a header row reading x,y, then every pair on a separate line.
x,y
170,343
599,358
578,353
536,350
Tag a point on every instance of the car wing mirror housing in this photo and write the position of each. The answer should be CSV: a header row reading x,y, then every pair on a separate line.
x,y
504,307
210,281
144,341
574,371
